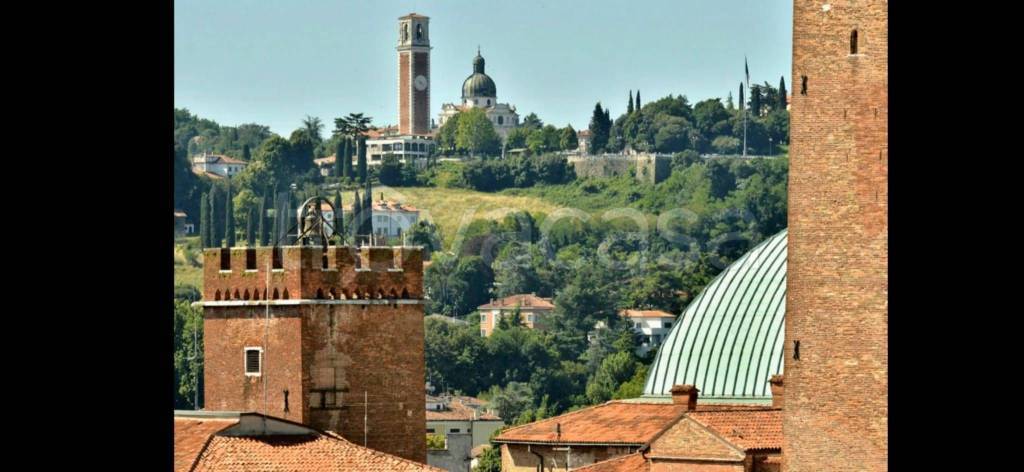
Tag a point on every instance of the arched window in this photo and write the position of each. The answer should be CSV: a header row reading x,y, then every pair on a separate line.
x,y
803,85
853,42
501,120
488,102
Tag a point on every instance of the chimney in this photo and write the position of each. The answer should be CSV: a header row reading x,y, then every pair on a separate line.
x,y
777,391
685,394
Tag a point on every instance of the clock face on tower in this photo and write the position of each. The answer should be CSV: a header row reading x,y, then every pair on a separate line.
x,y
420,82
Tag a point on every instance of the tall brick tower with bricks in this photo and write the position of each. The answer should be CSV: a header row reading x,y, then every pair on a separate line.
x,y
836,411
328,336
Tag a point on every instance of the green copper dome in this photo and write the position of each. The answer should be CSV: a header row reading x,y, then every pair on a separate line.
x,y
728,342
479,84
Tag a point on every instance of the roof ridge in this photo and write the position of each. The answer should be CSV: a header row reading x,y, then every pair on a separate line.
x,y
591,407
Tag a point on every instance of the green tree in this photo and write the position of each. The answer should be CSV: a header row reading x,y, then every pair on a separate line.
x,y
204,221
516,138
446,135
216,230
510,402
264,229
390,171
599,129
339,157
726,145
490,460
313,127
300,157
615,369
742,103
629,108
436,441
368,212
361,158
339,218
782,93
250,228
229,218
755,100
637,100
355,124
246,154
568,141
357,214
476,134
729,105
424,233
634,387
532,122
188,355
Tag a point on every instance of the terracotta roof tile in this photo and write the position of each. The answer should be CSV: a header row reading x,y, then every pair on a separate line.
x,y
646,314
459,410
526,300
747,429
296,453
601,424
626,463
190,436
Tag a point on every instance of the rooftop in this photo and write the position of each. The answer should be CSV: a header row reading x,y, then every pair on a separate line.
x,y
459,409
236,442
526,300
645,314
747,429
627,463
601,424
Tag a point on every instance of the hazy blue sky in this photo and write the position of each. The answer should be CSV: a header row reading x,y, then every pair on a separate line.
x,y
274,61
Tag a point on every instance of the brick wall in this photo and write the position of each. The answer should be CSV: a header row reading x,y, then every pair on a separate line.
x,y
354,327
836,413
516,457
404,88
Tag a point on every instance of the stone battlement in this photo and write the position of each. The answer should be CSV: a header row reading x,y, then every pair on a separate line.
x,y
308,272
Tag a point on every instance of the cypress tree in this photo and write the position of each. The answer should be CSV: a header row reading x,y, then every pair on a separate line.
x,y
229,219
275,226
215,229
598,134
729,105
368,209
637,100
346,166
782,93
250,228
742,103
361,157
204,221
755,100
339,218
264,235
357,215
246,155
629,108
339,157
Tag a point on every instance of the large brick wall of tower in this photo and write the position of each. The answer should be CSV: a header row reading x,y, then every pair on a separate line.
x,y
351,323
836,413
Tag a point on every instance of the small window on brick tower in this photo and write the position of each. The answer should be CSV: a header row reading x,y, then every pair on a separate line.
x,y
853,42
252,360
803,85
277,262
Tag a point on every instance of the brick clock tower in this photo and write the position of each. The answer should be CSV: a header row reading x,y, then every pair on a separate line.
x,y
836,373
413,75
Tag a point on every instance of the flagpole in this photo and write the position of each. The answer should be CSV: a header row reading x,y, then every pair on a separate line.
x,y
747,71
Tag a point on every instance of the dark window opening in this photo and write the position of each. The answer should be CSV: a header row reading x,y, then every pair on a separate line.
x,y
225,259
796,350
803,85
319,294
250,259
278,263
286,400
853,42
252,361
430,430
454,430
276,294
285,295
238,296
323,260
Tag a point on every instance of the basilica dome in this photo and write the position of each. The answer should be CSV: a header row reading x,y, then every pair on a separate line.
x,y
728,341
479,84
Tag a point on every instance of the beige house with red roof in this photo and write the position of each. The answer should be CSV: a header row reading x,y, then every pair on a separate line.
x,y
252,442
646,435
465,422
532,310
